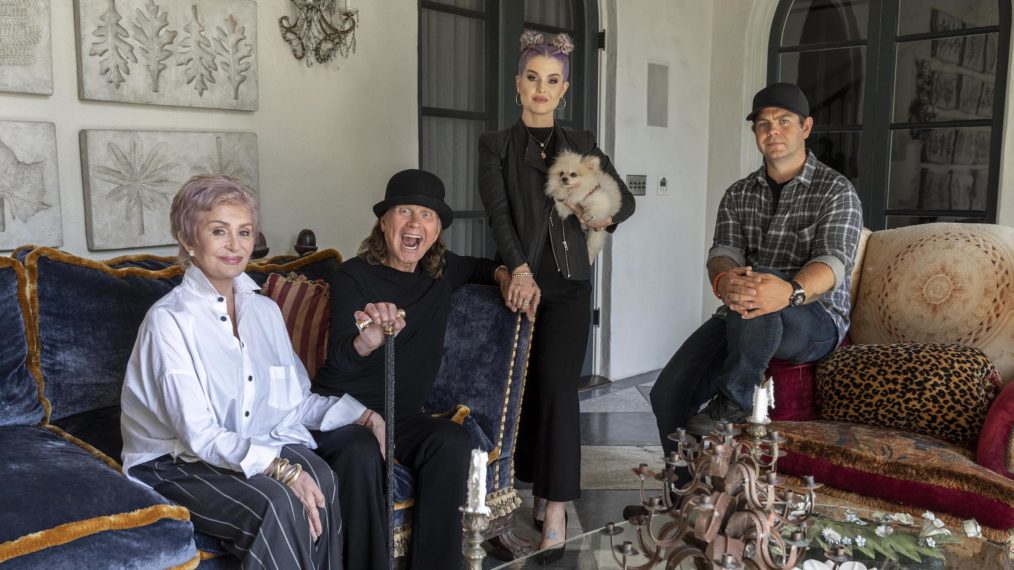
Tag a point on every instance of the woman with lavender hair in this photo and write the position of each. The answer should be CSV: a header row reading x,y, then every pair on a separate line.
x,y
217,408
550,270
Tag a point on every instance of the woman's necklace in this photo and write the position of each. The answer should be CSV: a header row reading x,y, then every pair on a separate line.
x,y
542,144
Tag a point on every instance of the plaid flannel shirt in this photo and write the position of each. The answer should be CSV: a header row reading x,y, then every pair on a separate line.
x,y
819,219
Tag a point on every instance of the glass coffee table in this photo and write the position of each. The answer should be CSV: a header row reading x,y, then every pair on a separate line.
x,y
595,551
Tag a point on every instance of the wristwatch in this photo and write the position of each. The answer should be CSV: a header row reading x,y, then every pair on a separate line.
x,y
798,296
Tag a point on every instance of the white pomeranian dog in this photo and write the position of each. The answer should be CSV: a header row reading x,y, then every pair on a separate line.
x,y
578,180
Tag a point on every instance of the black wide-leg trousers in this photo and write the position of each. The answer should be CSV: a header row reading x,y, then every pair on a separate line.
x,y
259,520
438,451
548,452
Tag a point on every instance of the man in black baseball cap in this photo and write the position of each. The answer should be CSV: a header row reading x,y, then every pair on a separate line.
x,y
786,96
781,260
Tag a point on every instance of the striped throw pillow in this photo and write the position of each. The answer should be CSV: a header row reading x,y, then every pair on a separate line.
x,y
305,308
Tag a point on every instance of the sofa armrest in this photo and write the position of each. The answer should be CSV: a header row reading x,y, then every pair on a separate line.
x,y
995,450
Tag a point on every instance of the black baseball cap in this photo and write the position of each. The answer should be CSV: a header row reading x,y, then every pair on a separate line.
x,y
786,96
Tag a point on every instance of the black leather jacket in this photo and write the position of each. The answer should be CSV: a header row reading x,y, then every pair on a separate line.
x,y
512,180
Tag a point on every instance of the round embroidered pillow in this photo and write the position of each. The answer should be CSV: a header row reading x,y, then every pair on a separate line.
x,y
942,390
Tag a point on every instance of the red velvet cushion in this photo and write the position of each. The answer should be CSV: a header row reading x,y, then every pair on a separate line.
x,y
305,308
795,391
996,441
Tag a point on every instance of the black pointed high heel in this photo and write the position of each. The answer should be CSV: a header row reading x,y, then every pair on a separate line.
x,y
554,554
538,523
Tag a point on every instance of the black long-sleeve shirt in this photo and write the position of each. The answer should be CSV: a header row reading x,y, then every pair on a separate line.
x,y
418,347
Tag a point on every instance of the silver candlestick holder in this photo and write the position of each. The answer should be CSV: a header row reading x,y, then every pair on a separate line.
x,y
474,524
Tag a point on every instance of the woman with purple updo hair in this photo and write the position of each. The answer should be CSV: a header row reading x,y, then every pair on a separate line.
x,y
550,272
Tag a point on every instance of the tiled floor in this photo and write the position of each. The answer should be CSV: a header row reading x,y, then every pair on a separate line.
x,y
617,433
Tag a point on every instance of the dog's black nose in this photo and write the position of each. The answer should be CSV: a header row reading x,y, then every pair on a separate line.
x,y
564,179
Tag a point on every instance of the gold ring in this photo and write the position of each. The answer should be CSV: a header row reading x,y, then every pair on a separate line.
x,y
366,323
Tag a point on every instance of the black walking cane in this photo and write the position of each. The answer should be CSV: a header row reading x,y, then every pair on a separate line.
x,y
389,437
388,426
389,432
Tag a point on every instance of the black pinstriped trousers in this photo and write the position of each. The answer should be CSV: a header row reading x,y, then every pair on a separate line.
x,y
259,520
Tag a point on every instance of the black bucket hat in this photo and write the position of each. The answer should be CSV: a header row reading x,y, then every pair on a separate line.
x,y
416,188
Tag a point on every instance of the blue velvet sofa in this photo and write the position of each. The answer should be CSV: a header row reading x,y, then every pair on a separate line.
x,y
70,325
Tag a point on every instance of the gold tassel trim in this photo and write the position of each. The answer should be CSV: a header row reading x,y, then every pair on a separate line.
x,y
32,361
68,532
94,451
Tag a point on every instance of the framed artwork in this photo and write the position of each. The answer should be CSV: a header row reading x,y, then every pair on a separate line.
x,y
961,188
945,90
130,177
969,94
170,52
938,147
29,186
934,189
991,54
974,55
26,47
986,100
966,144
946,49
941,21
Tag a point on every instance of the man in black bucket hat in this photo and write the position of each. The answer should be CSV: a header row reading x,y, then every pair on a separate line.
x,y
401,282
416,187
781,262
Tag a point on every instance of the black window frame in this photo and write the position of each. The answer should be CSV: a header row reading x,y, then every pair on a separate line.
x,y
877,126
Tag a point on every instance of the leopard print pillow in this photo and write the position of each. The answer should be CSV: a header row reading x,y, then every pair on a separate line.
x,y
941,390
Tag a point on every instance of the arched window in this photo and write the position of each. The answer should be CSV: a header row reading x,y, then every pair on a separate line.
x,y
468,53
907,98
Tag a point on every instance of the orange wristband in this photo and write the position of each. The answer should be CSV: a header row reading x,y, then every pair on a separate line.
x,y
714,283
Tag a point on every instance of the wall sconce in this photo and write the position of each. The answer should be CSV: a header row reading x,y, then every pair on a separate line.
x,y
321,30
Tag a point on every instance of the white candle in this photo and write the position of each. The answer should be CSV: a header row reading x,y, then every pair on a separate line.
x,y
477,483
760,404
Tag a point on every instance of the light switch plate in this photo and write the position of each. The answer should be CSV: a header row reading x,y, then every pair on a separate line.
x,y
638,184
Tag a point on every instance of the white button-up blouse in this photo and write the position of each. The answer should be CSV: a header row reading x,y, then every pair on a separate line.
x,y
194,390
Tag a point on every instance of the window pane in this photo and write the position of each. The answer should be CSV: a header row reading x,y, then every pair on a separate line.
x,y
939,169
453,61
450,149
905,221
836,91
466,236
945,79
812,21
466,4
839,150
920,16
555,13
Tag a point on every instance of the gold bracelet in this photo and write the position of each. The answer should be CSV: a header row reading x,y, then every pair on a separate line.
x,y
276,466
523,274
291,474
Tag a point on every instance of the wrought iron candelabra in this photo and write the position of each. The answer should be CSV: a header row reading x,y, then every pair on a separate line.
x,y
730,514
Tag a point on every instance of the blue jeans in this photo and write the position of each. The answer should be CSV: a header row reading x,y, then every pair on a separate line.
x,y
730,356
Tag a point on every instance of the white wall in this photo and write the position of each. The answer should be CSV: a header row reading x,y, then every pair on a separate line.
x,y
655,286
328,139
